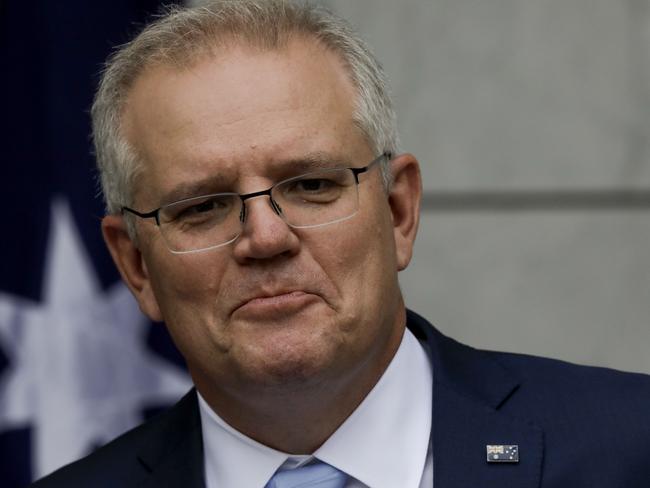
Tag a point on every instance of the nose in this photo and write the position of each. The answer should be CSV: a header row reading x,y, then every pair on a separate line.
x,y
265,234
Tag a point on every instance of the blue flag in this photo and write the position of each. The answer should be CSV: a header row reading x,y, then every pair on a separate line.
x,y
79,363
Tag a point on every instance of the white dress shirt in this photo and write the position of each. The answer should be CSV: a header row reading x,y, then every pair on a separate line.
x,y
384,443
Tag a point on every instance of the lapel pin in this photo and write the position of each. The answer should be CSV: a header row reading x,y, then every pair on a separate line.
x,y
501,453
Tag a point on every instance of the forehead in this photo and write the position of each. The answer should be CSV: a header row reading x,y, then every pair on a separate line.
x,y
240,114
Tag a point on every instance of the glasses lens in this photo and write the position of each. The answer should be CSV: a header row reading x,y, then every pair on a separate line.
x,y
201,223
318,198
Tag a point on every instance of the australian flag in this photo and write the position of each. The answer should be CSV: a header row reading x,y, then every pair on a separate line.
x,y
79,364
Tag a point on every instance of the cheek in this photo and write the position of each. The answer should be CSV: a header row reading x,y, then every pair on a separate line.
x,y
361,260
187,287
372,240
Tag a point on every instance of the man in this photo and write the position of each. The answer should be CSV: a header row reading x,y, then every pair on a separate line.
x,y
257,204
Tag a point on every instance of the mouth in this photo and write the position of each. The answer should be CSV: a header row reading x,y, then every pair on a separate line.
x,y
275,305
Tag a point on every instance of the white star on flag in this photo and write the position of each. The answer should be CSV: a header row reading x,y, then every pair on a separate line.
x,y
79,370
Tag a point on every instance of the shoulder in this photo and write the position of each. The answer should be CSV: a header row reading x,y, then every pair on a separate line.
x,y
586,413
110,465
555,382
589,416
121,461
548,383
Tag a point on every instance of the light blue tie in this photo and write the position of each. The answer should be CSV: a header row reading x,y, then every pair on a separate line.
x,y
317,475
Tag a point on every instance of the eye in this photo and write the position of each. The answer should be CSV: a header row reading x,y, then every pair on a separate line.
x,y
199,210
323,188
319,188
314,185
203,208
207,206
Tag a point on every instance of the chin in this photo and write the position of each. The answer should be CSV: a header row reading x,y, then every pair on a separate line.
x,y
293,366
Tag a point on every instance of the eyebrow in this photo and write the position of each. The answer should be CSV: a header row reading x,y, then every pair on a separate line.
x,y
311,162
281,169
190,189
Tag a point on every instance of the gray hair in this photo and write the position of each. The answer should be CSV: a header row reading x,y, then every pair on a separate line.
x,y
183,36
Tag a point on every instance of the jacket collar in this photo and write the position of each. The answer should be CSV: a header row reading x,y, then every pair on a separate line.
x,y
173,453
470,392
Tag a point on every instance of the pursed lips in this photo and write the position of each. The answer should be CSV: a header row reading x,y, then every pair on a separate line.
x,y
275,298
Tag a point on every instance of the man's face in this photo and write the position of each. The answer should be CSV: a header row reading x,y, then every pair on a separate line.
x,y
280,307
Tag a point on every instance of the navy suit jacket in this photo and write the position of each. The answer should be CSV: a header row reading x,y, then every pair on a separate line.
x,y
576,427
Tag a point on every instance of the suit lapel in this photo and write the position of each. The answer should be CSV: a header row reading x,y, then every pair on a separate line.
x,y
470,389
173,454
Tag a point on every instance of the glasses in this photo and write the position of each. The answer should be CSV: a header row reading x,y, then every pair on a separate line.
x,y
206,222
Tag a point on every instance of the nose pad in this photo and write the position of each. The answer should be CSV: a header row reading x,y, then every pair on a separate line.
x,y
276,206
264,235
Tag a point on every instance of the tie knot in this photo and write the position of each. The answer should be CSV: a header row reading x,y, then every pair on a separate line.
x,y
317,475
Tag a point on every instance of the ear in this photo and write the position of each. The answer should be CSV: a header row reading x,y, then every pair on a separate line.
x,y
131,265
404,200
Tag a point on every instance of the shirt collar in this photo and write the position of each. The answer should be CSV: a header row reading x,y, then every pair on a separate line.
x,y
383,443
231,458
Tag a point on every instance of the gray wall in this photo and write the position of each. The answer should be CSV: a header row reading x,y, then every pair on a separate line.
x,y
526,96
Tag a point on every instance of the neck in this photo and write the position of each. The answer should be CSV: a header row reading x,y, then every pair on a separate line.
x,y
298,419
